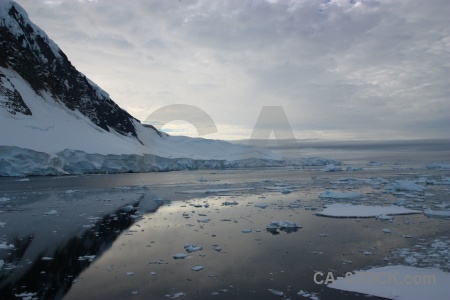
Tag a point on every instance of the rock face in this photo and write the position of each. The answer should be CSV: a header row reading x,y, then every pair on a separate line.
x,y
29,52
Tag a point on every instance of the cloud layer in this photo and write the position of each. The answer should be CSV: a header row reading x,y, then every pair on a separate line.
x,y
340,69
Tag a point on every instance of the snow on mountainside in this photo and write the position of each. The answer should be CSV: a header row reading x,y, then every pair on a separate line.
x,y
54,120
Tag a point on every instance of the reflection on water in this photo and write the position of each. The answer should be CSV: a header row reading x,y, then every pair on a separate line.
x,y
100,250
248,264
52,278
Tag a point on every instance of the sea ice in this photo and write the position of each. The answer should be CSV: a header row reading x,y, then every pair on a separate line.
x,y
5,246
286,226
276,292
4,199
374,164
437,213
340,195
197,268
246,230
261,205
331,168
191,248
180,256
340,210
397,282
406,186
175,295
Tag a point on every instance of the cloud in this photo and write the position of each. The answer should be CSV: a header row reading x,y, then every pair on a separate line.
x,y
361,69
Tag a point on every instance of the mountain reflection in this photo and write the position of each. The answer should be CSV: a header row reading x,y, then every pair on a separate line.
x,y
52,278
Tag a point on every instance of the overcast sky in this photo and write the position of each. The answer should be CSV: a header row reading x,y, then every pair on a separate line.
x,y
339,69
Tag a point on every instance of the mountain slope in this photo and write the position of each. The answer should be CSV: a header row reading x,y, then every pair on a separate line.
x,y
28,51
54,120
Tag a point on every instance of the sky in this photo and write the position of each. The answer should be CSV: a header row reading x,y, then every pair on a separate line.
x,y
340,70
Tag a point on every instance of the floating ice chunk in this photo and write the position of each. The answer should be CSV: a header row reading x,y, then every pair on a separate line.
x,y
25,295
2,224
374,164
438,166
47,258
191,248
213,191
435,286
261,205
387,230
276,292
286,226
323,234
305,294
228,203
52,212
385,218
246,230
2,262
407,186
23,180
340,210
331,168
129,273
340,195
70,192
197,268
202,179
175,295
180,256
127,208
6,246
134,292
4,199
217,248
152,273
351,168
368,253
437,213
203,220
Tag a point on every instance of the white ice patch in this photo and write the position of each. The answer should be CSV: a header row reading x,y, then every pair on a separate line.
x,y
6,246
246,230
339,195
276,292
340,210
4,199
331,168
192,248
406,186
197,268
175,295
437,213
180,256
397,282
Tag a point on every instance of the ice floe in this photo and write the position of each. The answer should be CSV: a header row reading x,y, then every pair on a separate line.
x,y
286,226
192,248
331,168
397,282
276,292
180,256
406,186
197,268
5,246
339,195
341,210
175,295
437,213
310,295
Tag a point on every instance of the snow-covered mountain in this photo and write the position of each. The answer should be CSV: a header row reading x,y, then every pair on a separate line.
x,y
54,120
